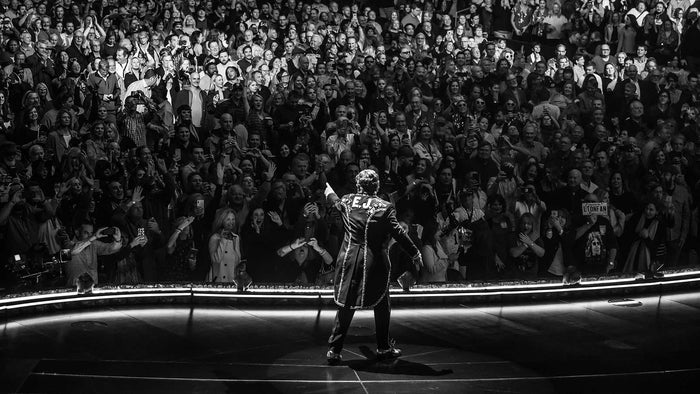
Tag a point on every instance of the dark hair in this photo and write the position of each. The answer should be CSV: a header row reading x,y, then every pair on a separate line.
x,y
624,183
521,220
428,236
150,73
542,94
496,198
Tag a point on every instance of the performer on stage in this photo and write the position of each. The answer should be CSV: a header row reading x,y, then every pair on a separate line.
x,y
362,274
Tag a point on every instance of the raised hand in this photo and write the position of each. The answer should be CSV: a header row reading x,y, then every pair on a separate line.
x,y
525,239
188,221
500,265
313,242
139,241
275,218
299,242
138,194
153,225
271,170
65,186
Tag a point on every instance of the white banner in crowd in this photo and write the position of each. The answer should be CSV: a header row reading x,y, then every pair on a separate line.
x,y
595,208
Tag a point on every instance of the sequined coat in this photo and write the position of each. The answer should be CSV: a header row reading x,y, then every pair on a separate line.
x,y
362,271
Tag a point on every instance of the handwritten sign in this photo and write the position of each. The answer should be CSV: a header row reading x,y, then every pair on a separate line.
x,y
594,208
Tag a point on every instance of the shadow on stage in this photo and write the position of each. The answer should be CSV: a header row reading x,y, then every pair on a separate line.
x,y
392,367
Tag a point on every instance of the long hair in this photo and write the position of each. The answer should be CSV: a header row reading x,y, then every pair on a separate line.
x,y
625,187
615,72
496,198
58,124
25,98
219,219
428,237
521,222
248,222
25,112
48,91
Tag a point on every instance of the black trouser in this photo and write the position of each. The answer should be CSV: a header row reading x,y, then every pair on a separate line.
x,y
382,315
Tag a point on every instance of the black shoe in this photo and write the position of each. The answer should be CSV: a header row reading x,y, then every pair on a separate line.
x,y
388,354
333,358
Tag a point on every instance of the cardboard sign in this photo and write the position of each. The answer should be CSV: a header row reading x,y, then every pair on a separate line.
x,y
594,208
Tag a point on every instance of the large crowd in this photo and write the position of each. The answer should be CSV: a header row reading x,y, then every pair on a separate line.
x,y
191,140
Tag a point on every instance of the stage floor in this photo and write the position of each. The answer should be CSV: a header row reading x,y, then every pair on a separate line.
x,y
643,345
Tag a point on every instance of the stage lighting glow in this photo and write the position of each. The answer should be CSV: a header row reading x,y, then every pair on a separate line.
x,y
575,289
206,312
232,294
77,298
678,274
281,290
137,290
325,294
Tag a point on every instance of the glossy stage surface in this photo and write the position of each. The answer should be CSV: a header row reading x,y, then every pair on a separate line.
x,y
647,344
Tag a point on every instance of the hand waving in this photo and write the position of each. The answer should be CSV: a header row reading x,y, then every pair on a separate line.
x,y
275,218
138,194
271,170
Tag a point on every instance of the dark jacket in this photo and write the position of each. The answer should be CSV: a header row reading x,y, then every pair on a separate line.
x,y
362,270
43,70
75,52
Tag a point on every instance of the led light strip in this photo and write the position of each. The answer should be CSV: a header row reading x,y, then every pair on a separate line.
x,y
256,296
388,381
11,300
560,290
429,289
277,290
89,298
603,281
136,290
325,294
677,274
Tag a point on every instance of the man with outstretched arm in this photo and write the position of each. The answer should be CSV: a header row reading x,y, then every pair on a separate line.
x,y
361,273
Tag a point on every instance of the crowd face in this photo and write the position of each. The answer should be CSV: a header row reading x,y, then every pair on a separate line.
x,y
637,110
485,152
229,222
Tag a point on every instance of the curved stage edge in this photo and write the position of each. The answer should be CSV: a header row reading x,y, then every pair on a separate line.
x,y
464,293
